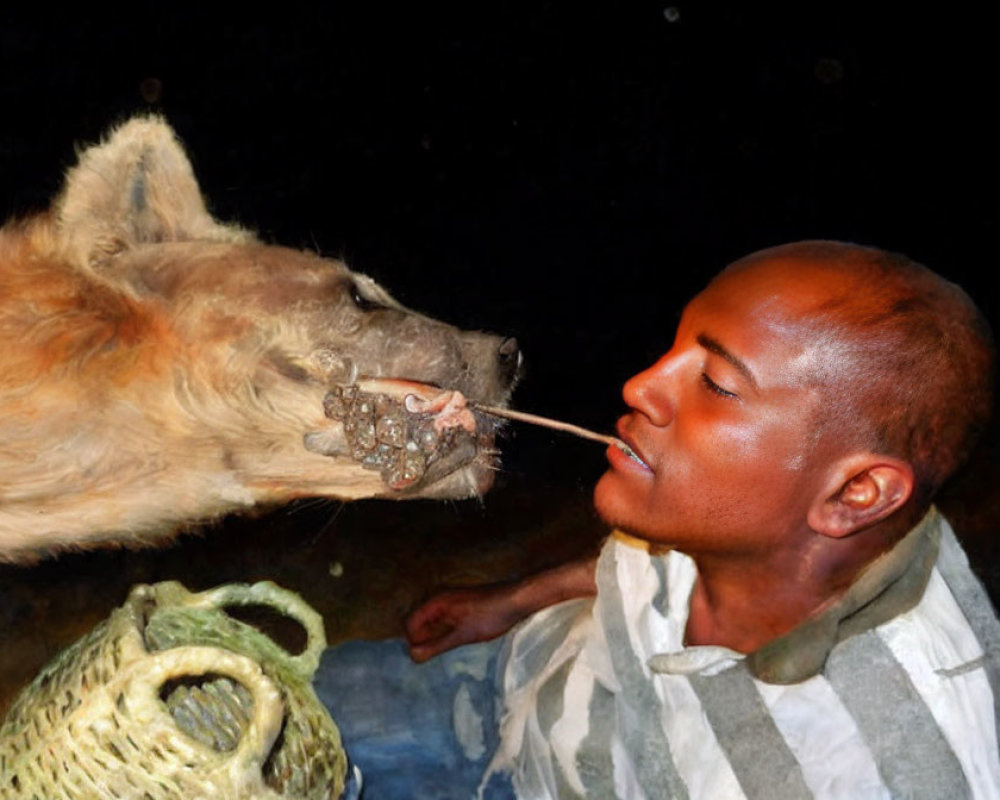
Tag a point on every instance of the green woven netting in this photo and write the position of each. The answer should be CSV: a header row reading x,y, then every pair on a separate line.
x,y
172,697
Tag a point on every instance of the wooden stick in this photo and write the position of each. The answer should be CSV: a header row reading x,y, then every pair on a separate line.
x,y
545,422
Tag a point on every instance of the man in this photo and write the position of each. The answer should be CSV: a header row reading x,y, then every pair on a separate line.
x,y
784,614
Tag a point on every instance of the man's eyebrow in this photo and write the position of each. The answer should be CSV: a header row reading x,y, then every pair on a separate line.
x,y
714,347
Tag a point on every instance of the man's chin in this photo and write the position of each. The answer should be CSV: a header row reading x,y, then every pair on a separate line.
x,y
621,507
609,503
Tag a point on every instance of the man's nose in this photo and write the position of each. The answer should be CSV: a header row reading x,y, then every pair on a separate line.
x,y
651,391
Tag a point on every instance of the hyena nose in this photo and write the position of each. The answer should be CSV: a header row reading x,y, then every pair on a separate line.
x,y
509,359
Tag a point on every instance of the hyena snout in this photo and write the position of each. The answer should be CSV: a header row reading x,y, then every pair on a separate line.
x,y
485,367
509,360
419,421
490,367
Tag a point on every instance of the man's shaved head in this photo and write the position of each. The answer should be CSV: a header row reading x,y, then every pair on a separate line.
x,y
909,370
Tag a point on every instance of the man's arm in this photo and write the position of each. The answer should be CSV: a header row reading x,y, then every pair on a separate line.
x,y
461,616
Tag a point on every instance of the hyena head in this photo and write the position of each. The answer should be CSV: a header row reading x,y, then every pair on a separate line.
x,y
163,367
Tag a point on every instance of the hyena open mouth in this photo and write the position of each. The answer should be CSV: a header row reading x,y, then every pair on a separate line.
x,y
413,434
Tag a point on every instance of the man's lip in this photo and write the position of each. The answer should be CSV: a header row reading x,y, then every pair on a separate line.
x,y
637,455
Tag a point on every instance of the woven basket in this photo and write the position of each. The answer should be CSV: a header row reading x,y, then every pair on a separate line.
x,y
172,697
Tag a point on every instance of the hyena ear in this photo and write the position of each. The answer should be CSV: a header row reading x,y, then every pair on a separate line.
x,y
135,188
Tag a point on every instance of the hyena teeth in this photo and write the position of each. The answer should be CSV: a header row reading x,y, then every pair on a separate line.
x,y
463,452
390,430
427,438
411,436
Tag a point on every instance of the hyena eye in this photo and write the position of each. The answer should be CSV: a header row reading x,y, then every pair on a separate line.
x,y
362,302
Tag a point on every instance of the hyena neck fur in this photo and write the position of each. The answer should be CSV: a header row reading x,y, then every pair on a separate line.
x,y
160,368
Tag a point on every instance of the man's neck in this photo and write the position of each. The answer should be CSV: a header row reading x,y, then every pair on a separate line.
x,y
743,603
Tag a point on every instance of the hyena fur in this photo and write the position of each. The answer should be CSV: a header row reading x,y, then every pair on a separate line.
x,y
158,367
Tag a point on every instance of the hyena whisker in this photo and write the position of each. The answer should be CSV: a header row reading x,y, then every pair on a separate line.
x,y
315,241
308,504
478,496
327,524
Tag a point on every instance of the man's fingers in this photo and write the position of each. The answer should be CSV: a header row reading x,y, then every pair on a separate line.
x,y
431,629
428,649
421,653
429,621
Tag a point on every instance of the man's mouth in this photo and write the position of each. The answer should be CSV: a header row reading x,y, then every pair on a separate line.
x,y
629,449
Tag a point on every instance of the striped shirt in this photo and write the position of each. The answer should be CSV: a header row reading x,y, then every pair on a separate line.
x,y
602,699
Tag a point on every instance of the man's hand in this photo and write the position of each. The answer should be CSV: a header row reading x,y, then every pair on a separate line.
x,y
462,616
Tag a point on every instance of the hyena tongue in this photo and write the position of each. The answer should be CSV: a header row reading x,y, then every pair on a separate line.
x,y
398,388
448,407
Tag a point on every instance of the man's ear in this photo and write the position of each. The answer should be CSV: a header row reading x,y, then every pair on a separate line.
x,y
861,490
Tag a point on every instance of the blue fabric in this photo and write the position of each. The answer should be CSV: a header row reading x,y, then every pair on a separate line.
x,y
416,731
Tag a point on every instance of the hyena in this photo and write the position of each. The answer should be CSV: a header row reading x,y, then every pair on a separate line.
x,y
159,367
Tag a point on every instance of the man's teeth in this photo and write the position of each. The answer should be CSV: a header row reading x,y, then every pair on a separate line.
x,y
631,453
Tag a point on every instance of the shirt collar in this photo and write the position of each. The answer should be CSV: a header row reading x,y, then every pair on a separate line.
x,y
891,585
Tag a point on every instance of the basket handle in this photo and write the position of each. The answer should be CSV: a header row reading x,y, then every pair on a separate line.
x,y
146,679
266,593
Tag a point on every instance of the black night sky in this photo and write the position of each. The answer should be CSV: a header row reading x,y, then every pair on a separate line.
x,y
567,173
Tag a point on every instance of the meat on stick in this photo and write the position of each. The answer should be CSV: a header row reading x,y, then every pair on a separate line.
x,y
545,422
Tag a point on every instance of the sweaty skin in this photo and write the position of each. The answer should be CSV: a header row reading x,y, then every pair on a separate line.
x,y
734,476
779,512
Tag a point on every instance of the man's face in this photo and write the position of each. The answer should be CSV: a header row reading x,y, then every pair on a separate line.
x,y
725,422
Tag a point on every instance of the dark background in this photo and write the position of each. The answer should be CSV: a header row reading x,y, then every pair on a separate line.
x,y
569,174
